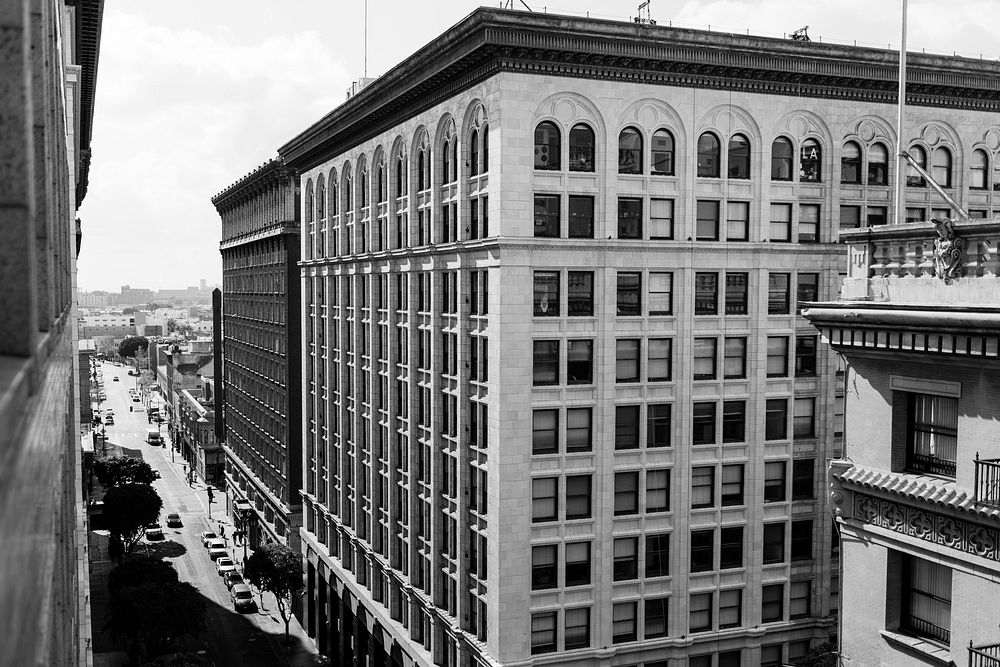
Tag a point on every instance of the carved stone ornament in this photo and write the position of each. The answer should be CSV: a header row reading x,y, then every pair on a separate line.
x,y
949,250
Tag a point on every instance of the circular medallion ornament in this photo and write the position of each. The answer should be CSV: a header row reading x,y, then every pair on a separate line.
x,y
932,136
866,130
993,139
565,110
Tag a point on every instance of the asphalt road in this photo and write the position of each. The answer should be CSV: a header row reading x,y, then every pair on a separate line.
x,y
232,638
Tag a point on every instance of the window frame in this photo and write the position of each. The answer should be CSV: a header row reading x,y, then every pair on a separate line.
x,y
588,161
552,147
548,217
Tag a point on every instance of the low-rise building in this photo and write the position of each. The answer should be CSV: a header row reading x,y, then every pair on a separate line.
x,y
196,433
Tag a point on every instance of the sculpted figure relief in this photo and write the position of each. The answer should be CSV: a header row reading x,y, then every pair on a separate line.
x,y
949,250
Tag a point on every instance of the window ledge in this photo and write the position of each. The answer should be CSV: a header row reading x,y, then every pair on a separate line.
x,y
936,652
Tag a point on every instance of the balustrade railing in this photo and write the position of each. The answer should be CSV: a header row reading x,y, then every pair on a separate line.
x,y
986,655
987,482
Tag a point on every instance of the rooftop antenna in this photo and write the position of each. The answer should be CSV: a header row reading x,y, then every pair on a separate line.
x,y
643,16
802,34
366,39
509,4
900,159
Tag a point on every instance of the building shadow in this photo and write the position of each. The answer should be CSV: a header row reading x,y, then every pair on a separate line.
x,y
165,549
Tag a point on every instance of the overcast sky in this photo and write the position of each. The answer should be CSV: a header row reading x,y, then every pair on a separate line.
x,y
193,94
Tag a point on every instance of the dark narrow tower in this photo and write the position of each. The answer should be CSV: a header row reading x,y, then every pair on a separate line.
x,y
220,419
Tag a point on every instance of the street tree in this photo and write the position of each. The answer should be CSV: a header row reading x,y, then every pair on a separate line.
x,y
131,345
120,470
277,569
127,510
148,617
821,655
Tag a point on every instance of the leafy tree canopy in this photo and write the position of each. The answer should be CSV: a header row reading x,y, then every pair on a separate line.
x,y
150,616
139,572
127,510
277,569
129,346
821,655
119,470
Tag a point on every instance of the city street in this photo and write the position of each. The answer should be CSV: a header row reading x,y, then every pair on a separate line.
x,y
233,638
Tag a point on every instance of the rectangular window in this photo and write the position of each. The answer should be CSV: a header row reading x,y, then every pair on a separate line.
x,y
578,429
777,356
656,617
781,223
577,633
737,221
580,362
932,435
543,632
626,559
578,497
804,418
703,425
706,294
661,293
772,601
770,655
774,482
626,493
731,608
660,358
707,228
700,612
736,293
544,499
546,299
705,358
545,431
626,427
577,563
850,217
627,360
658,425
808,290
734,417
544,567
658,555
734,362
630,217
774,543
581,217
802,479
629,293
808,223
661,218
702,487
805,356
732,485
657,491
580,294
547,216
799,595
777,293
545,366
925,599
916,214
623,622
802,539
702,550
877,215
731,547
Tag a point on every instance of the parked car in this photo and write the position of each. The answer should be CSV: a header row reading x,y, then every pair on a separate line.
x,y
207,537
154,531
232,579
135,398
110,420
110,412
115,379
156,474
217,549
173,519
224,565
242,597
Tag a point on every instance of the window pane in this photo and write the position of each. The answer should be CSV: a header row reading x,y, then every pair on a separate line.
x,y
777,293
735,358
775,427
777,356
630,151
805,356
702,487
878,165
578,497
661,218
579,361
661,287
581,148
703,428
626,427
545,431
658,555
663,153
781,160
577,563
543,632
547,216
706,293
774,481
704,358
546,299
736,293
734,421
850,163
580,294
808,223
578,430
546,146
708,156
707,224
546,362
850,217
658,425
804,418
781,223
700,612
581,217
730,608
732,485
543,499
626,493
774,543
577,633
739,157
933,434
629,291
657,491
737,221
629,218
660,351
810,162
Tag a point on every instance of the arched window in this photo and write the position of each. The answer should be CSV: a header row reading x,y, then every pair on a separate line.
x,y
348,204
708,155
913,177
334,204
474,153
978,169
310,208
810,162
486,149
320,198
364,188
380,175
739,157
850,164
781,160
420,170
941,167
547,146
878,165
581,148
400,177
662,153
445,163
630,151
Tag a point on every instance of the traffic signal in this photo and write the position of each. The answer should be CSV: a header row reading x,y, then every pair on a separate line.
x,y
211,495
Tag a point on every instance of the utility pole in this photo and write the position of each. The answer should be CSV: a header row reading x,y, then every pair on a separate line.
x,y
900,160
211,497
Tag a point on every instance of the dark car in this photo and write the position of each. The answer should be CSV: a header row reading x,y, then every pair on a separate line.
x,y
174,520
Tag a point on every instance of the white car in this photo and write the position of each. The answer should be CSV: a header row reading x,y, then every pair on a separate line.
x,y
242,597
110,412
224,565
154,532
217,549
207,537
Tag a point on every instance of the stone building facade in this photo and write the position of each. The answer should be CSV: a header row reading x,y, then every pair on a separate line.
x,y
560,406
261,353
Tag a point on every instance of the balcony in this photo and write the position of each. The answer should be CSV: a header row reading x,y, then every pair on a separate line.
x,y
987,484
986,655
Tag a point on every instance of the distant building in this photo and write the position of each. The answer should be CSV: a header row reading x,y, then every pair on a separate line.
x,y
116,326
97,299
196,433
260,348
180,368
135,296
86,351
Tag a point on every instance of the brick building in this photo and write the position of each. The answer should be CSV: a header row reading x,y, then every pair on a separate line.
x,y
261,352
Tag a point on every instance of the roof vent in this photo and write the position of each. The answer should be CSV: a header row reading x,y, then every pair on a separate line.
x,y
359,85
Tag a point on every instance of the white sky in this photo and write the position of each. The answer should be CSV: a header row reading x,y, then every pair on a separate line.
x,y
194,94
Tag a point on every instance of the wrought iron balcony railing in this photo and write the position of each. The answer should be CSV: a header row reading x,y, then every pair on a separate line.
x,y
987,483
986,655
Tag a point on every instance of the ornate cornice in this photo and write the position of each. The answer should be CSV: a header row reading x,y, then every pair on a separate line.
x,y
489,41
272,173
281,229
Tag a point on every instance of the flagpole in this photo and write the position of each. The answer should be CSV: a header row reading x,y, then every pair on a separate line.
x,y
900,160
